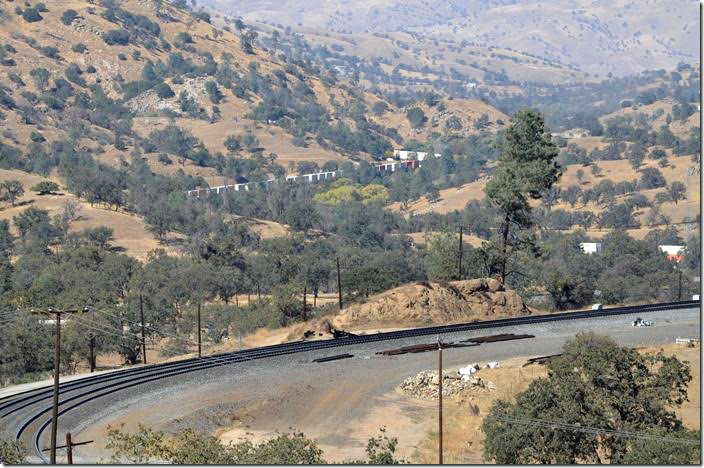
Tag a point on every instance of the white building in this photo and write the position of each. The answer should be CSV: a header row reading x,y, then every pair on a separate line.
x,y
419,155
672,249
674,252
590,247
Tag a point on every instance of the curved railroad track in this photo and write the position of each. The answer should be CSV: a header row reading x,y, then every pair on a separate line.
x,y
37,403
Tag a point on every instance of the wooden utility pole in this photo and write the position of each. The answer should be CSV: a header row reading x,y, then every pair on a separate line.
x,y
144,342
339,284
57,362
303,316
460,262
439,401
69,449
92,353
199,348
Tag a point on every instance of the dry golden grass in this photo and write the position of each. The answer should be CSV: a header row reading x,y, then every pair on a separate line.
x,y
617,171
421,238
129,231
467,110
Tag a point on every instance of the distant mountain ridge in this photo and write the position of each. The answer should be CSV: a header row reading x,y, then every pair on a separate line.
x,y
620,37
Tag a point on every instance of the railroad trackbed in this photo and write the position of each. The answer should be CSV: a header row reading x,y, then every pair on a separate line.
x,y
28,414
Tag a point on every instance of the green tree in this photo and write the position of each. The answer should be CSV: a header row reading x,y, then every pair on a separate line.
x,y
416,117
45,187
526,169
677,191
594,384
11,190
68,16
164,91
31,15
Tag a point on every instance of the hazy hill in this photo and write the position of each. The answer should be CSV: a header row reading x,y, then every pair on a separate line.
x,y
621,36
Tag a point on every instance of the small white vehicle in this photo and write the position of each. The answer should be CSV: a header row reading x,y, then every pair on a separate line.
x,y
598,307
639,322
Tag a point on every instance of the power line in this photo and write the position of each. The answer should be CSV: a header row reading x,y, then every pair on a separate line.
x,y
590,430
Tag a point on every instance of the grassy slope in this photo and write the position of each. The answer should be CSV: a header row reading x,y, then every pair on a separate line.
x,y
456,198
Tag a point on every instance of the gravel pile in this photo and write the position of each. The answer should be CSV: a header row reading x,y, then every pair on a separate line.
x,y
424,385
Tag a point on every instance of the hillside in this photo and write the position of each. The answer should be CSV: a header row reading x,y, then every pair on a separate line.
x,y
157,64
623,37
679,169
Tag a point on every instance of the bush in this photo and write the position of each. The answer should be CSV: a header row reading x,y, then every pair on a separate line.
x,y
651,178
116,37
165,159
73,73
68,16
31,15
416,117
45,187
90,69
37,137
79,48
41,7
122,56
12,452
164,91
51,52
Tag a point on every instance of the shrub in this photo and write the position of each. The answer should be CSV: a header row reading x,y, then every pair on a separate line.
x,y
68,16
45,187
90,69
121,56
185,37
41,7
416,117
37,137
51,52
73,73
12,452
165,159
652,178
116,37
658,154
15,78
80,48
214,92
31,15
164,91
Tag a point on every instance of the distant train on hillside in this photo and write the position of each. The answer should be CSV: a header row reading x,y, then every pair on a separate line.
x,y
387,167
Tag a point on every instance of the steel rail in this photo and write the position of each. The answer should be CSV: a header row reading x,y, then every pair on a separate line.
x,y
138,376
355,340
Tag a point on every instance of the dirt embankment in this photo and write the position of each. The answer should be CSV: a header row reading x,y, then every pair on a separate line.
x,y
419,304
428,303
